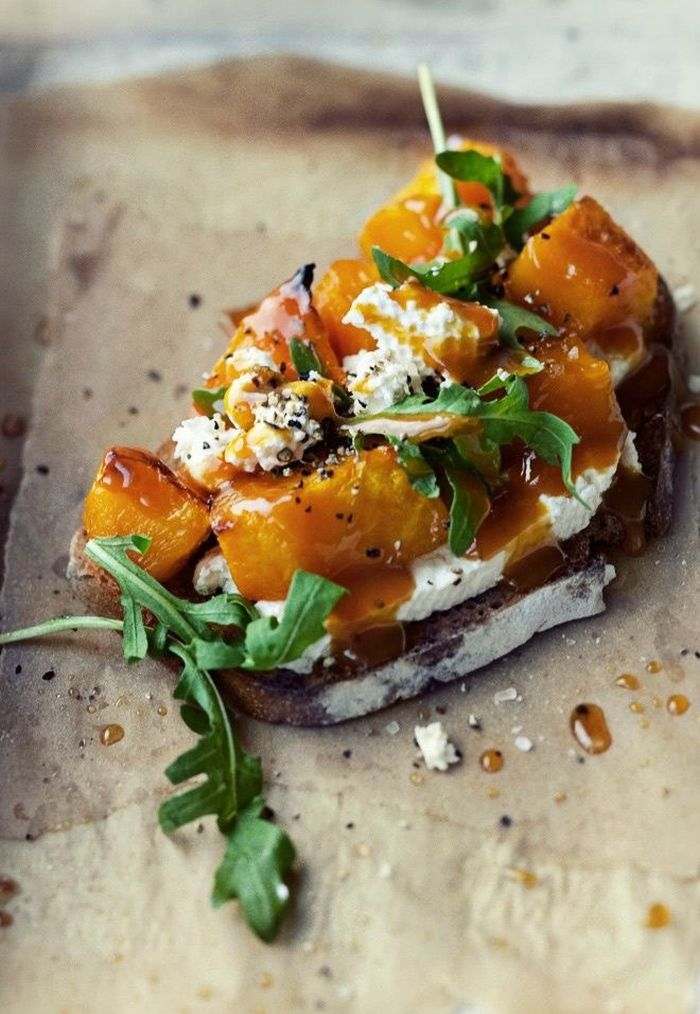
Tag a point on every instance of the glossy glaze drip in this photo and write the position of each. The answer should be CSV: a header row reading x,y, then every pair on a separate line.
x,y
536,568
111,734
654,666
491,761
658,915
628,681
590,729
627,500
677,704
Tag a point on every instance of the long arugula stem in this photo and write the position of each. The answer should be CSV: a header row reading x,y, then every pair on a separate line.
x,y
437,131
59,624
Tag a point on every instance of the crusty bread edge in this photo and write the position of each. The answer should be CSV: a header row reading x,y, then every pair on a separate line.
x,y
468,646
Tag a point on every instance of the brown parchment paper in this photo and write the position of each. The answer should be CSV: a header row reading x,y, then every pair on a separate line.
x,y
407,896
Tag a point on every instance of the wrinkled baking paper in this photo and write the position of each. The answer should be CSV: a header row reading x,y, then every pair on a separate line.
x,y
410,894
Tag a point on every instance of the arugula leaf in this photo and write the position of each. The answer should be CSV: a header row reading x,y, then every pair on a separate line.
x,y
205,398
112,555
473,167
420,473
469,507
226,610
135,639
392,270
218,654
514,319
213,756
270,643
544,205
481,241
258,856
450,399
304,358
550,437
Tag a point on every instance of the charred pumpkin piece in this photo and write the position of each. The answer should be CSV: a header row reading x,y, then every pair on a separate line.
x,y
359,514
583,272
408,229
135,493
285,314
333,295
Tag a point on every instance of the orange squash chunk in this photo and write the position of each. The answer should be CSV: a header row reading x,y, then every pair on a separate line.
x,y
476,195
408,229
333,296
358,515
583,272
286,313
134,493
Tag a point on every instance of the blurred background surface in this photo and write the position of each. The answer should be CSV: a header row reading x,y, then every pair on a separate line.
x,y
530,50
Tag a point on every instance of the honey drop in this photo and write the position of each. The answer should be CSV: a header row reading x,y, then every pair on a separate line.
x,y
628,681
491,761
677,704
6,919
654,666
590,729
111,734
637,707
658,916
525,877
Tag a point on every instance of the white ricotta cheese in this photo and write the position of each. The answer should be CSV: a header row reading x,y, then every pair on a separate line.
x,y
438,753
381,376
443,580
250,358
212,574
568,515
200,442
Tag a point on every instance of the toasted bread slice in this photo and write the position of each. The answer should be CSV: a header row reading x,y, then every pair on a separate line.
x,y
448,645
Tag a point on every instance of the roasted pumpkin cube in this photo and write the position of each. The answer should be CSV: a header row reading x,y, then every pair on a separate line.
x,y
333,296
359,513
408,229
475,195
286,313
583,272
135,493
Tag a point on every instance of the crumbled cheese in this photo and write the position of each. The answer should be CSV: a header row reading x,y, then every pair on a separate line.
x,y
212,574
694,383
385,871
282,431
629,458
502,696
392,728
379,377
568,515
523,743
250,357
200,442
438,753
685,298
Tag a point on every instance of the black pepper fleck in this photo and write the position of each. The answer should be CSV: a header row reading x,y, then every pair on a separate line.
x,y
373,552
42,469
18,670
615,291
48,675
195,300
506,821
347,754
154,375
